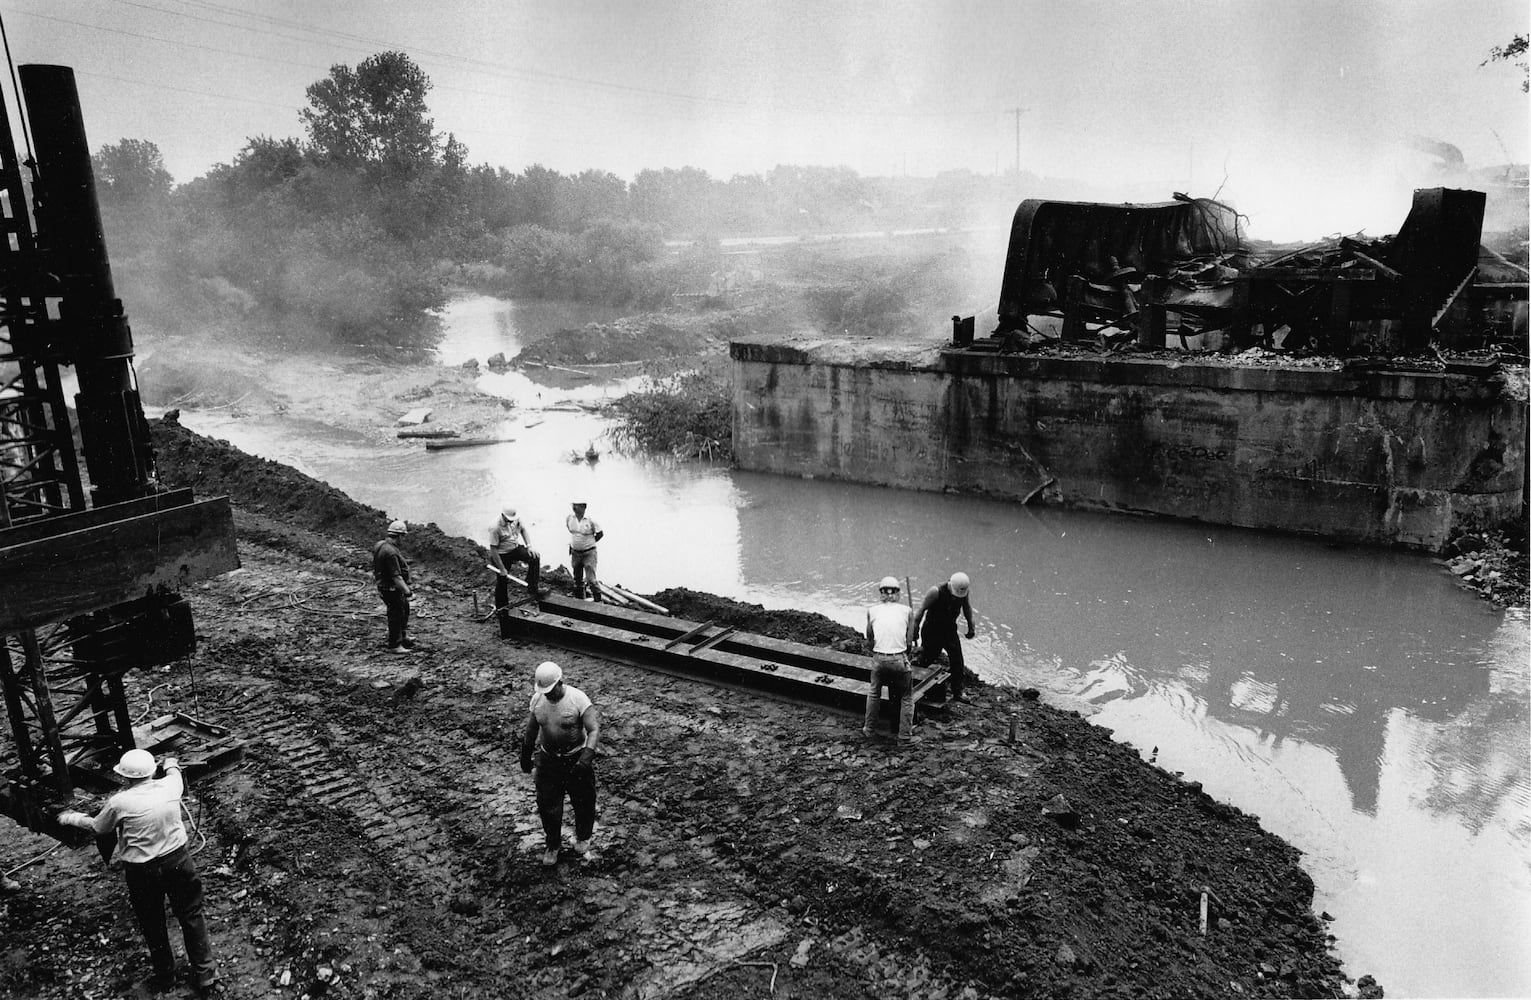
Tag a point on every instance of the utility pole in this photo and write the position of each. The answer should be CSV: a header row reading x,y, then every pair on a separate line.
x,y
1018,112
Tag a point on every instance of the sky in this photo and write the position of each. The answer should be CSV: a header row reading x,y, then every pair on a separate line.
x,y
1307,116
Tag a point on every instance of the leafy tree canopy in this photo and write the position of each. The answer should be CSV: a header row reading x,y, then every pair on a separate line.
x,y
374,117
131,170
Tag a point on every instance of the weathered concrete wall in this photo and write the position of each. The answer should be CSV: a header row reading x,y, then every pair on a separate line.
x,y
1389,458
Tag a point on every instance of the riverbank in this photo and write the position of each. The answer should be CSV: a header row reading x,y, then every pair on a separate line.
x,y
378,839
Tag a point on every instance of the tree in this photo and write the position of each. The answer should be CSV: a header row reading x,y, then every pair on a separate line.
x,y
130,172
1514,51
374,117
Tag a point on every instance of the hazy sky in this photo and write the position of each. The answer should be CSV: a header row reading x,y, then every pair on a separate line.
x,y
1301,112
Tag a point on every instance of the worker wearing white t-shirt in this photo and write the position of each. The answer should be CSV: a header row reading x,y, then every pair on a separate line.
x,y
583,534
890,630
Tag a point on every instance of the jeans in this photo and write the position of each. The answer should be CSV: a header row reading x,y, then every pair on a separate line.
x,y
892,670
398,616
171,876
931,645
582,563
555,777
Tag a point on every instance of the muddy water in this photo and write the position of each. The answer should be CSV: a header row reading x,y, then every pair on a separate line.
x,y
1363,707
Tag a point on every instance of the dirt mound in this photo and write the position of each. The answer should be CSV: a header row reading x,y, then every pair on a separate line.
x,y
794,626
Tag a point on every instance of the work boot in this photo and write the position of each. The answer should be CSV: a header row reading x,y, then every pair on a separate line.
x,y
160,982
549,858
582,847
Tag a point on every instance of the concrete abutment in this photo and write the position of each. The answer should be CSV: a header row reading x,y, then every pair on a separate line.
x,y
1381,457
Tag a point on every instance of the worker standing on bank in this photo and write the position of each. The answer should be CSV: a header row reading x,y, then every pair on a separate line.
x,y
508,544
583,534
151,844
563,730
936,621
889,632
390,571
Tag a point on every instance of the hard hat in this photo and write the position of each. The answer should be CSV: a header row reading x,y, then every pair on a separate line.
x,y
398,528
578,503
959,584
135,764
887,583
548,676
508,512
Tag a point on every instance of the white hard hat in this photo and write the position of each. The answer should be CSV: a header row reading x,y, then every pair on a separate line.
x,y
959,584
135,764
398,528
888,583
508,512
548,676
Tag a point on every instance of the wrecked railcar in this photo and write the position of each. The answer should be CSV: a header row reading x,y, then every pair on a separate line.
x,y
1182,274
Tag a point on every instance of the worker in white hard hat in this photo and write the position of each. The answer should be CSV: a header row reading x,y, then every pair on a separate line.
x,y
145,818
509,544
563,730
390,571
583,534
889,632
936,620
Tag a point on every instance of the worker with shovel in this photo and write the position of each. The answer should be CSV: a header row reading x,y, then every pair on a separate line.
x,y
509,543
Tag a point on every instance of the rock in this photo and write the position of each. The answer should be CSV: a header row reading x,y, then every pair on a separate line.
x,y
1030,694
800,957
1059,809
496,362
1369,989
1065,956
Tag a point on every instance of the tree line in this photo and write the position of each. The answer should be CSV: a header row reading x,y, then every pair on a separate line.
x,y
356,232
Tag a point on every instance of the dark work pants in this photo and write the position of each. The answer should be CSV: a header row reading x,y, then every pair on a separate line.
x,y
931,645
556,777
502,585
171,876
398,616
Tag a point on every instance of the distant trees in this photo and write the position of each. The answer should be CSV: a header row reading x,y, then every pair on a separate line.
x,y
352,233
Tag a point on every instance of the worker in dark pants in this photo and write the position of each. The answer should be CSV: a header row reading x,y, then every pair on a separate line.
x,y
559,742
509,544
936,621
390,571
151,844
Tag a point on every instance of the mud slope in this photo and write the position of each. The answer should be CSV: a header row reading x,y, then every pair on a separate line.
x,y
380,841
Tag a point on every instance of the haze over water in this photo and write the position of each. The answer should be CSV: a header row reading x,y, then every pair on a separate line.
x,y
1361,705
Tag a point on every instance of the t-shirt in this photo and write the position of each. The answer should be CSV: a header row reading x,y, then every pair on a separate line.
x,y
889,622
582,532
564,715
505,535
388,564
147,817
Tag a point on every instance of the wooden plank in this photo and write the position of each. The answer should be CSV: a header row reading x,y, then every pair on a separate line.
x,y
53,578
439,445
105,514
713,640
698,630
414,417
410,434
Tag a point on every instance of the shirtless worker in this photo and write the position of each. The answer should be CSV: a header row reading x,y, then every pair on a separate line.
x,y
563,730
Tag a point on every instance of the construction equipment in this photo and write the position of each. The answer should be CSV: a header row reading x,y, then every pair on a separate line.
x,y
722,655
88,592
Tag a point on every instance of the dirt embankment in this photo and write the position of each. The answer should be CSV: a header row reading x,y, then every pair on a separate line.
x,y
379,841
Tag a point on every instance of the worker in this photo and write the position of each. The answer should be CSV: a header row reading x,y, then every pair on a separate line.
x,y
563,730
583,534
390,570
509,543
889,632
936,621
145,818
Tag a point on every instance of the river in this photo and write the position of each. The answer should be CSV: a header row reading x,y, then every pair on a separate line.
x,y
1365,708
